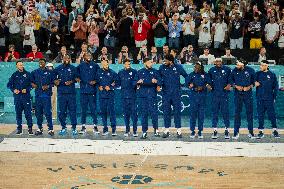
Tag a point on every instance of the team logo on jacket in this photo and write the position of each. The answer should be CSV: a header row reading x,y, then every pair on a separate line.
x,y
130,73
174,69
25,75
91,67
69,70
108,74
268,76
223,71
247,74
151,73
45,73
202,76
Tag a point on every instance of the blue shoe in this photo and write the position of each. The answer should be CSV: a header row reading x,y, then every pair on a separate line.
x,y
74,132
63,132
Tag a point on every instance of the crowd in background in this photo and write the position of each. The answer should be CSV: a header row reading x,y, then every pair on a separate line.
x,y
34,29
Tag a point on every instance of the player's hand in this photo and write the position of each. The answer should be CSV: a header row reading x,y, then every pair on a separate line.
x,y
68,83
154,80
257,84
77,80
140,81
190,85
159,89
24,91
93,82
209,87
16,91
107,88
101,88
56,82
247,88
199,88
45,87
239,88
34,85
228,87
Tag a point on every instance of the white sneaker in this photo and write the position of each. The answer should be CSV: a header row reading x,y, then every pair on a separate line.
x,y
126,134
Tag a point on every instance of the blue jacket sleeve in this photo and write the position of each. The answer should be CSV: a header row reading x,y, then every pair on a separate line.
x,y
275,87
10,84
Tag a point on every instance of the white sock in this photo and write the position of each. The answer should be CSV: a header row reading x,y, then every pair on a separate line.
x,y
179,130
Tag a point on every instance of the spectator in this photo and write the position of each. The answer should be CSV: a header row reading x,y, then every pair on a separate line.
x,y
281,32
255,31
140,29
62,23
204,32
29,37
103,7
37,25
166,51
143,53
235,10
79,27
42,7
206,55
53,16
124,26
219,30
124,54
14,24
187,55
11,55
105,55
261,56
207,10
61,54
271,33
81,55
228,54
174,53
236,31
72,16
34,54
156,59
160,31
175,27
188,31
110,30
56,41
93,38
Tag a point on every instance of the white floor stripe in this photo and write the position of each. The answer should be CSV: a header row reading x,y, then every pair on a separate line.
x,y
143,147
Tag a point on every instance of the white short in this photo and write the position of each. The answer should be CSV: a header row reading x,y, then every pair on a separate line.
x,y
140,43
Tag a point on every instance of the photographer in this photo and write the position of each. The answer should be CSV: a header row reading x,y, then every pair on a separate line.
x,y
124,54
160,31
187,55
204,32
143,53
236,31
11,55
140,29
110,30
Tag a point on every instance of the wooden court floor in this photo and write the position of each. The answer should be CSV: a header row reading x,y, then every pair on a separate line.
x,y
27,170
